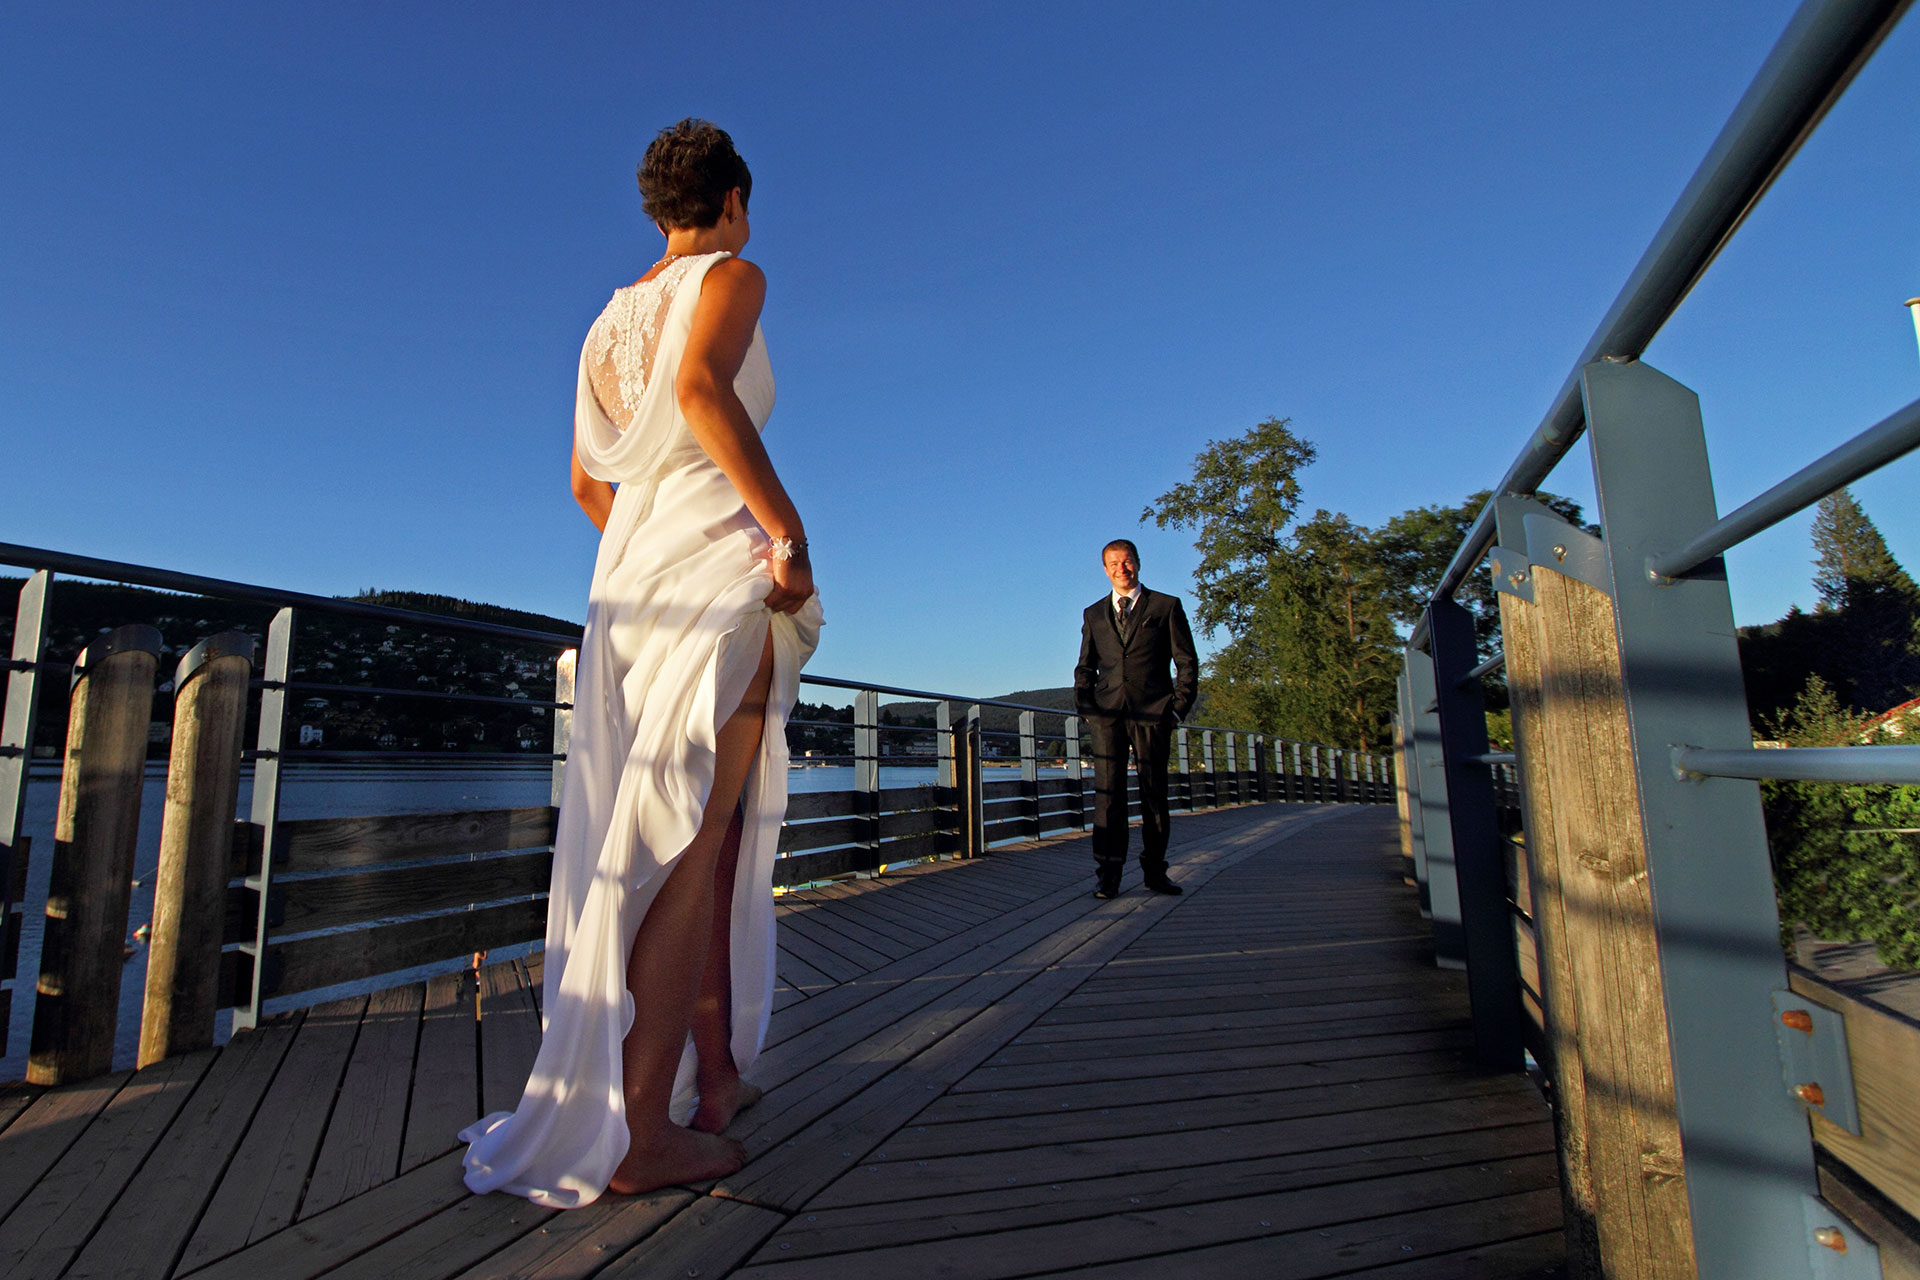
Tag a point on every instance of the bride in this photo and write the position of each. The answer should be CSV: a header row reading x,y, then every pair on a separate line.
x,y
660,930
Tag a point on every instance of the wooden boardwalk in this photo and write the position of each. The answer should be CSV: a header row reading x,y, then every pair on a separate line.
x,y
976,1069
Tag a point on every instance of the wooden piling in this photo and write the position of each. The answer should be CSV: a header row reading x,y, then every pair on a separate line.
x,y
196,833
1599,958
83,950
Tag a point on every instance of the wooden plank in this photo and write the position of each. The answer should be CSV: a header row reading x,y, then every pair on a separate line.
x,y
329,902
329,844
307,964
446,1074
802,805
51,1223
847,937
798,974
42,1134
1885,1049
579,1242
362,1144
1454,1236
1203,1083
321,1243
906,923
148,1227
897,799
708,1238
1449,1006
260,1191
509,1036
1161,1115
15,1098
887,1210
869,918
1173,1237
466,1232
895,825
799,937
797,837
800,868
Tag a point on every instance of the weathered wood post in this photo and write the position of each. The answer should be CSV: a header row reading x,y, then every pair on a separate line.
x,y
1523,631
973,822
1206,763
93,844
1233,788
21,717
196,844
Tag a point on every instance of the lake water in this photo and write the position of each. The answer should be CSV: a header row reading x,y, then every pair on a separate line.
x,y
315,790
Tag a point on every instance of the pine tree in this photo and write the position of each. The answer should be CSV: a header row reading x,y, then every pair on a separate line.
x,y
1876,604
1851,558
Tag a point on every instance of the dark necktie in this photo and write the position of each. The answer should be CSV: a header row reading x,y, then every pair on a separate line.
x,y
1125,610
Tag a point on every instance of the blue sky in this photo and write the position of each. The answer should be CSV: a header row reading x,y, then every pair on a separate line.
x,y
293,293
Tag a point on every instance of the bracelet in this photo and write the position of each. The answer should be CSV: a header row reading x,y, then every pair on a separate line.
x,y
785,549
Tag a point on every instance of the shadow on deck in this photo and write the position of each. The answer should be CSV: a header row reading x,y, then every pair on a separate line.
x,y
975,1069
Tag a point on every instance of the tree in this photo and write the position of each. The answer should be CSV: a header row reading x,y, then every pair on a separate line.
x,y
1242,497
1416,546
1878,605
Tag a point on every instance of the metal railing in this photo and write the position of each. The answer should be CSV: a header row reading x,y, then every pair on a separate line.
x,y
315,904
1630,937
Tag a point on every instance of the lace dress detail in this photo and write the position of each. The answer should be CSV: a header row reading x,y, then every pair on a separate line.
x,y
622,342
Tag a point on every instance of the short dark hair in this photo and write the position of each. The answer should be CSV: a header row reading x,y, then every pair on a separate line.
x,y
1120,544
686,174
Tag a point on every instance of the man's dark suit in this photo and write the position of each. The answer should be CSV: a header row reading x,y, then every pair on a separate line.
x,y
1122,686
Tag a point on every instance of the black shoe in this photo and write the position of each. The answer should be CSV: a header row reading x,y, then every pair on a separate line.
x,y
1108,887
1164,885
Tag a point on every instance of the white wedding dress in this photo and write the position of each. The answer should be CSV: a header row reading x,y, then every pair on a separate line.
x,y
676,624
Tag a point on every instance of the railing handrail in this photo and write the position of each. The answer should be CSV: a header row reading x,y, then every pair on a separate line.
x,y
1810,66
93,567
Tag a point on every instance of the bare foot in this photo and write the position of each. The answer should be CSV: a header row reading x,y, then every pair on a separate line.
x,y
719,1105
675,1155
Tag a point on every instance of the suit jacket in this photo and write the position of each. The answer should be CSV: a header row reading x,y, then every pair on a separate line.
x,y
1129,678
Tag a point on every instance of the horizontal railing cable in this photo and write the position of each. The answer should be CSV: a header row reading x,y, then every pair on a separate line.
x,y
1894,766
1811,64
1865,453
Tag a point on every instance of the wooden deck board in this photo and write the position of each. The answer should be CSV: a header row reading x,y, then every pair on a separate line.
x,y
149,1228
362,1144
975,1068
260,1192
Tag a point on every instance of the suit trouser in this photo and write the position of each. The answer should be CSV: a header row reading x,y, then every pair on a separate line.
x,y
1151,742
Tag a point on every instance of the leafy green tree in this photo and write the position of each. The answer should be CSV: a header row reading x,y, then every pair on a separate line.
x,y
1845,858
1242,497
1416,546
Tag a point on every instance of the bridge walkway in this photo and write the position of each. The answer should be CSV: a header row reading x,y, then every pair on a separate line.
x,y
976,1069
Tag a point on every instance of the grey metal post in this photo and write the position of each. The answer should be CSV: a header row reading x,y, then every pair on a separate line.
x,y
1493,979
973,813
949,751
1442,891
1749,1161
1030,768
1071,732
17,727
1181,754
1206,758
866,771
564,667
265,818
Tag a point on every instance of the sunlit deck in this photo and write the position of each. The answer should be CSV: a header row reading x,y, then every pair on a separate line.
x,y
976,1069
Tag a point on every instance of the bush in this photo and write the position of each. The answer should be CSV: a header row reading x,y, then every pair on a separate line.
x,y
1845,858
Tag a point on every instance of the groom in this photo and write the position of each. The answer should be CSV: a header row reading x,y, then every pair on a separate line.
x,y
1121,685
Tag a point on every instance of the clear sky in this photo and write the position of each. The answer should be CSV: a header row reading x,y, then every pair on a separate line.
x,y
294,293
